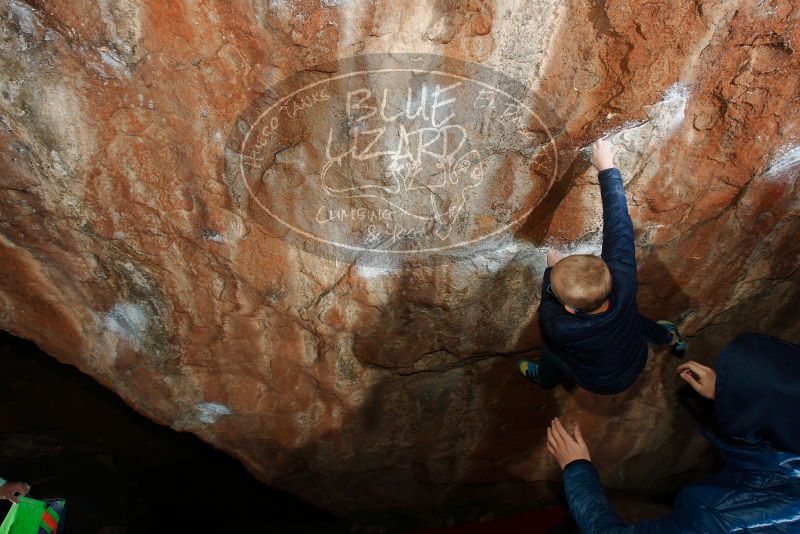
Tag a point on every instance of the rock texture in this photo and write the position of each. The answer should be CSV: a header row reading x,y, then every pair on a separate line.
x,y
130,251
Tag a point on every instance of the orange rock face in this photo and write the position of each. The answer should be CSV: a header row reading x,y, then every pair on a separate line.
x,y
313,232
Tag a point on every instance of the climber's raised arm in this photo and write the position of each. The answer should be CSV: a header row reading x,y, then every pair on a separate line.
x,y
619,252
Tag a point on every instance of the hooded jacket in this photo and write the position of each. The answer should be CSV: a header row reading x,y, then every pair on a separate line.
x,y
758,489
606,351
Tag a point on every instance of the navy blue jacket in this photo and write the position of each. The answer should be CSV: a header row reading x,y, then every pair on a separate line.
x,y
606,351
758,489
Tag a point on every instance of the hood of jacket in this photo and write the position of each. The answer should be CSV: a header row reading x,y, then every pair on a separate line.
x,y
758,392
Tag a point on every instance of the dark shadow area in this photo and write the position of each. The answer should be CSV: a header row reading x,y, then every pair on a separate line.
x,y
437,436
534,229
547,521
700,409
660,296
69,437
770,307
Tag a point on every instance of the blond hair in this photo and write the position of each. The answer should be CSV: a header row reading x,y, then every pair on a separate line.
x,y
582,281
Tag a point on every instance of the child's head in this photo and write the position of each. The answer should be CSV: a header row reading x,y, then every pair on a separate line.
x,y
581,281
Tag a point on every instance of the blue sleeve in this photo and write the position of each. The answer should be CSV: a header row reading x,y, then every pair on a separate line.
x,y
2,481
619,252
587,500
593,513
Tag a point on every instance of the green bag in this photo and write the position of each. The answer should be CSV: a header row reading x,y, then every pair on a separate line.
x,y
30,516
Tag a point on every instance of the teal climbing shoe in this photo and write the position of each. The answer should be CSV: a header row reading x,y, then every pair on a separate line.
x,y
529,369
678,345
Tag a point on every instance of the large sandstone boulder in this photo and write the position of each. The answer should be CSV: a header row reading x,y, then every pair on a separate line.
x,y
196,210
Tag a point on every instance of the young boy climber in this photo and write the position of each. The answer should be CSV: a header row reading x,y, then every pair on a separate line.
x,y
592,330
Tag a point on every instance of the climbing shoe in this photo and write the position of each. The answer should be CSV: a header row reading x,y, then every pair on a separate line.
x,y
678,345
529,369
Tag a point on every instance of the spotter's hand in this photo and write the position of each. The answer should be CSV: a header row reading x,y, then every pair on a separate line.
x,y
564,448
703,379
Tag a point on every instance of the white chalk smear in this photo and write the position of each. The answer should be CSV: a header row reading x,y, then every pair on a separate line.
x,y
590,246
366,271
211,235
209,412
668,113
494,260
110,58
784,162
662,119
635,141
129,321
378,265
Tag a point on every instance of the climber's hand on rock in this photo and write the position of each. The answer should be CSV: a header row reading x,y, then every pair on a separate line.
x,y
602,155
703,379
10,490
564,448
553,257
